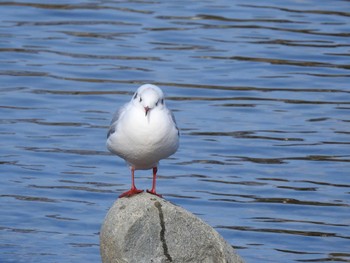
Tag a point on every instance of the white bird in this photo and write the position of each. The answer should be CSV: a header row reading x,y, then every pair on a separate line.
x,y
142,132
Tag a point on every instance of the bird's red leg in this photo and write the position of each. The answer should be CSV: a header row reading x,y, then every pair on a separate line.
x,y
153,190
133,190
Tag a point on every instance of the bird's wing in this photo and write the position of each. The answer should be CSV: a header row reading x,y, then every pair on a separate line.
x,y
173,118
114,121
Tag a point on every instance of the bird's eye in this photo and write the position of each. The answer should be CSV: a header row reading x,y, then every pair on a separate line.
x,y
157,103
140,99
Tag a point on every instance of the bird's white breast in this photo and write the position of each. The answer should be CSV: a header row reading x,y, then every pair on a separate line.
x,y
144,140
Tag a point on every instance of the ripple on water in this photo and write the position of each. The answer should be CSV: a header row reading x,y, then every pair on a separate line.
x,y
260,92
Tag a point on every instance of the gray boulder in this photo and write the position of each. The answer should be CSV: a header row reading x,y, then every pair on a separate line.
x,y
146,228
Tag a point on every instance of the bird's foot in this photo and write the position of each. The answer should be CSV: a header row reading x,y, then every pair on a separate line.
x,y
131,192
153,192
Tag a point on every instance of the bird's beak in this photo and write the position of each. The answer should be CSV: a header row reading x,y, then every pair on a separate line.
x,y
147,110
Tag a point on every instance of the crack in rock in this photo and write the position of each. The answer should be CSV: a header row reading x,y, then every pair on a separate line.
x,y
162,231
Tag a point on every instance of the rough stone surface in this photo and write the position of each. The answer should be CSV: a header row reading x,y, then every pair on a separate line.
x,y
146,228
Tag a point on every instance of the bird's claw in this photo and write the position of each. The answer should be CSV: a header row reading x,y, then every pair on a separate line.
x,y
131,192
153,192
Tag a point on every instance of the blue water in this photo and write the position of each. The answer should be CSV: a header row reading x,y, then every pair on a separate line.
x,y
260,91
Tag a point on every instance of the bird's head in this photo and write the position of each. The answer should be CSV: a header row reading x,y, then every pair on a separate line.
x,y
148,97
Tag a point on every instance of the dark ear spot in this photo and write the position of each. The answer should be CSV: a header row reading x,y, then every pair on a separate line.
x,y
135,96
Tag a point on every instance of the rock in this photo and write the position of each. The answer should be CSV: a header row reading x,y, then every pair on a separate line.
x,y
146,228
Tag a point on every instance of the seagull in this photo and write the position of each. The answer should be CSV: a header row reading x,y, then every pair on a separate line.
x,y
142,132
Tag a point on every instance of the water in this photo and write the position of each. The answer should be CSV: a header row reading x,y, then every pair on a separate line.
x,y
261,94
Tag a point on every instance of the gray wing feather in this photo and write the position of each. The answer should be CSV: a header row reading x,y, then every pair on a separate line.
x,y
114,121
116,115
173,118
